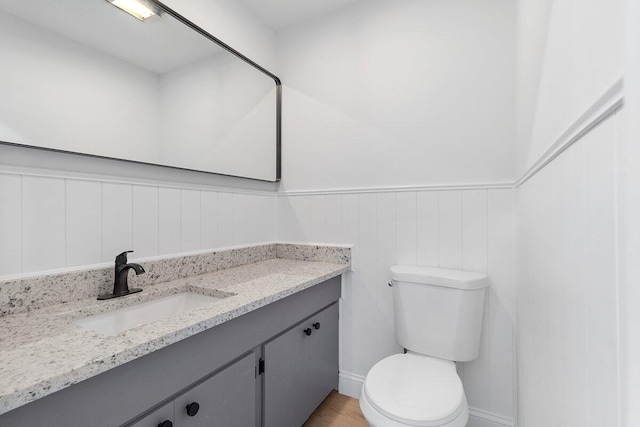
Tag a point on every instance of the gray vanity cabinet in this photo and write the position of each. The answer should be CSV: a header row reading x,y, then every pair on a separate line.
x,y
301,369
219,369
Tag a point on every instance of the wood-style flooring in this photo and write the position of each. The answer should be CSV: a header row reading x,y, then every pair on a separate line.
x,y
337,410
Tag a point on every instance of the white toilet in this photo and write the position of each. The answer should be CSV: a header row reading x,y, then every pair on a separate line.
x,y
438,319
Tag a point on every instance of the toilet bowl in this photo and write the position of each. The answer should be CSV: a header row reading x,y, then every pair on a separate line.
x,y
414,390
438,317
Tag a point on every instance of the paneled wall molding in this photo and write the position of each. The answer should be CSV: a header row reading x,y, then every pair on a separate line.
x,y
402,188
49,173
602,108
52,222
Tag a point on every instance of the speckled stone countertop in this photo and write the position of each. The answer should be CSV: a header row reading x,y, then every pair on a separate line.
x,y
42,351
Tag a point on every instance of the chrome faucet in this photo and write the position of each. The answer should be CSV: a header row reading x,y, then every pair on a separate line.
x,y
120,285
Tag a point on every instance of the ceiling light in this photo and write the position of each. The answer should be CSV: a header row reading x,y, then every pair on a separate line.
x,y
139,9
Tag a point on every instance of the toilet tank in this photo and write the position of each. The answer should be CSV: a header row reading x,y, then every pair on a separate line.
x,y
438,312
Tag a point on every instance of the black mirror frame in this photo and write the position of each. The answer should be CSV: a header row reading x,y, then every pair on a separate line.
x,y
229,49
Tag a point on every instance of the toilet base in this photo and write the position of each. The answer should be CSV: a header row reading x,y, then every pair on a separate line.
x,y
376,419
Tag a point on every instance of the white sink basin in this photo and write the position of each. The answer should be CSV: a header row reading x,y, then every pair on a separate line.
x,y
116,321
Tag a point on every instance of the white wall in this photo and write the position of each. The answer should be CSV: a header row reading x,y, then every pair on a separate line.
x,y
399,93
568,314
532,27
469,229
571,53
629,226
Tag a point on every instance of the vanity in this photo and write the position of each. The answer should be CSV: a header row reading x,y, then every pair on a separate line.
x,y
265,353
240,337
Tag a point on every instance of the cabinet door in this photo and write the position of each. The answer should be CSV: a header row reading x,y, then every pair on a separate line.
x,y
301,369
286,379
323,355
162,416
227,399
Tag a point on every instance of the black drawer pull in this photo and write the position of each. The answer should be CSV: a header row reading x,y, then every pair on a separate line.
x,y
192,409
165,423
308,331
316,325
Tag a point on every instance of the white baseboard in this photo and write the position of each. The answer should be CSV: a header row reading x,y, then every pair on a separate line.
x,y
482,418
351,385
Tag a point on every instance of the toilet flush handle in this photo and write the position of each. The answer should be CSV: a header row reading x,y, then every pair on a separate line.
x,y
390,284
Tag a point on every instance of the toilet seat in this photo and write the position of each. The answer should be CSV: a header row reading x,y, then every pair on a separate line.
x,y
416,390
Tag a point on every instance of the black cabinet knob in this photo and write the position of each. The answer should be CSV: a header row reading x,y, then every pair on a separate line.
x,y
165,423
192,409
308,331
316,325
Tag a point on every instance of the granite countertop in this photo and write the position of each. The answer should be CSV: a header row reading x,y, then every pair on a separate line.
x,y
42,351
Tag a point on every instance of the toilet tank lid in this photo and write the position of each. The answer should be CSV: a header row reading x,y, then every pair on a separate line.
x,y
457,279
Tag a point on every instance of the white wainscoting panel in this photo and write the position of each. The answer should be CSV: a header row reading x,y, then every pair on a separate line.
x,y
43,223
317,219
10,224
450,229
117,219
190,211
225,219
170,222
501,269
333,218
253,218
567,310
52,223
146,221
427,233
83,222
209,219
407,222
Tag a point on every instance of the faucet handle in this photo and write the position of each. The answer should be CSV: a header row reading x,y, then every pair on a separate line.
x,y
122,258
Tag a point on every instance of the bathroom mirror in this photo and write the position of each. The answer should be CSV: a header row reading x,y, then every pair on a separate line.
x,y
84,76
